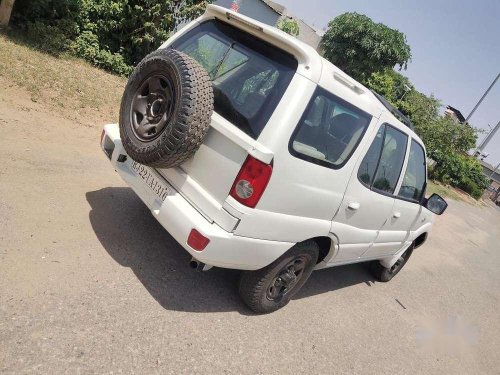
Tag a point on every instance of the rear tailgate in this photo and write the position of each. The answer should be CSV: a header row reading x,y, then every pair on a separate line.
x,y
249,77
206,179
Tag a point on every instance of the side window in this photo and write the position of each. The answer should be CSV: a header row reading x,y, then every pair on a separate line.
x,y
391,160
381,166
329,130
368,166
414,179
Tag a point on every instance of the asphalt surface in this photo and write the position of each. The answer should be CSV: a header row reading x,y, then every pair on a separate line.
x,y
91,283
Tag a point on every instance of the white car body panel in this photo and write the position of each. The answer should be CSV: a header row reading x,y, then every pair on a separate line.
x,y
225,249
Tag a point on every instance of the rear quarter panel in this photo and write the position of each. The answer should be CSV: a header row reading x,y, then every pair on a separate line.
x,y
302,197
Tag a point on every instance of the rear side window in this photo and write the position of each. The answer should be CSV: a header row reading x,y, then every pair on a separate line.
x,y
381,166
413,184
329,131
249,76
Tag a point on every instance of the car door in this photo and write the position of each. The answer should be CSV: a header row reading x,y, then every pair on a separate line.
x,y
407,209
369,200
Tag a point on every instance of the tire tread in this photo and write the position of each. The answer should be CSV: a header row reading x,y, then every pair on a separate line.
x,y
253,284
192,121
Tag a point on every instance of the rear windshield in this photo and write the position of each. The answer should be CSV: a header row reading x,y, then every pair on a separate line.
x,y
249,76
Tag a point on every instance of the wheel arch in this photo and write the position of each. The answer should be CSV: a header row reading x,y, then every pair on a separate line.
x,y
328,247
421,238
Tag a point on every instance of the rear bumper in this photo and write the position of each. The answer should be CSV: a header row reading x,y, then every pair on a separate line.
x,y
179,217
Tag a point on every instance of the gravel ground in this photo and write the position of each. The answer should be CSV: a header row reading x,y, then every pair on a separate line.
x,y
91,283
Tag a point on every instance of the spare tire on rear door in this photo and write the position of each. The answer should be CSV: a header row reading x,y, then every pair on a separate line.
x,y
165,109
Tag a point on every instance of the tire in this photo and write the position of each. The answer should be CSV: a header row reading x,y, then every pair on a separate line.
x,y
166,109
259,289
384,274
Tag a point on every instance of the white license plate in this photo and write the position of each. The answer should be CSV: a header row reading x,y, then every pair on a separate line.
x,y
152,181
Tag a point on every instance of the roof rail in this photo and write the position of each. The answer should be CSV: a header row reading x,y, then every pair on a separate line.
x,y
358,89
396,112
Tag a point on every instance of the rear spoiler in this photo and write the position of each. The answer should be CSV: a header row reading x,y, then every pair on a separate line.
x,y
309,61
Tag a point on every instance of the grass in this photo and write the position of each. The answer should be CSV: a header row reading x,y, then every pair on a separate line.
x,y
71,87
448,192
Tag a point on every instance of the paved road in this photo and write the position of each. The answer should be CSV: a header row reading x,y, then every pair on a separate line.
x,y
91,283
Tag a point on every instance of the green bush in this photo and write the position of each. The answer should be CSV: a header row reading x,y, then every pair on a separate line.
x,y
459,170
288,25
48,38
471,187
111,34
87,46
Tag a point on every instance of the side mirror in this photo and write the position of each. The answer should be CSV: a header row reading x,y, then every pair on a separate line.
x,y
435,204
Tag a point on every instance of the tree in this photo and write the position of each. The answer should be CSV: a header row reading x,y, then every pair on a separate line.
x,y
390,84
422,110
111,34
288,25
437,132
447,135
5,12
361,47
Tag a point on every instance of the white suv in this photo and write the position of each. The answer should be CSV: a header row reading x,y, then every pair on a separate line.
x,y
257,154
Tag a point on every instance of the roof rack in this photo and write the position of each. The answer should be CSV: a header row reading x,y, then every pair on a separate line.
x,y
396,112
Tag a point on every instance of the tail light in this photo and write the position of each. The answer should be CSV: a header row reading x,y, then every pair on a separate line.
x,y
251,181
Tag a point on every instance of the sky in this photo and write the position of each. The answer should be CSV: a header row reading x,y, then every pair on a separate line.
x,y
455,48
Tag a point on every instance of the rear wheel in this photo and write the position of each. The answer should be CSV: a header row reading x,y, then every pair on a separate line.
x,y
385,274
270,288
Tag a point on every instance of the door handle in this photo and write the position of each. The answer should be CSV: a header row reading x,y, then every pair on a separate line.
x,y
353,205
397,214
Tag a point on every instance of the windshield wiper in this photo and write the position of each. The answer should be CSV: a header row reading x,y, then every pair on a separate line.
x,y
218,65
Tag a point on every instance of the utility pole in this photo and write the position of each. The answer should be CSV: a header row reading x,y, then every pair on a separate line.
x,y
487,139
497,194
482,97
5,12
494,170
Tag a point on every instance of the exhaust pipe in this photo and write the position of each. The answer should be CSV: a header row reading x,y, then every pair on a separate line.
x,y
198,266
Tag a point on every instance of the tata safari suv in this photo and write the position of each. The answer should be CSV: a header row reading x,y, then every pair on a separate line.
x,y
257,154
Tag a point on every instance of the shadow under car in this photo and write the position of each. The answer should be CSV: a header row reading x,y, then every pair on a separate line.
x,y
134,239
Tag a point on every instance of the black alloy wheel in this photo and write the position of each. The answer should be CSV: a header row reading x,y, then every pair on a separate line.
x,y
384,274
286,280
152,106
166,109
270,288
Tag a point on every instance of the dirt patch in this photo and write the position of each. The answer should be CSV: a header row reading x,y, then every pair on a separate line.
x,y
69,87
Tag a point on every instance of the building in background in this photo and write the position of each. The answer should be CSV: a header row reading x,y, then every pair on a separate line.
x,y
269,12
455,114
493,192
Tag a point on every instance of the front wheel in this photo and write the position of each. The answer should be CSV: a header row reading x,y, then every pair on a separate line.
x,y
384,274
270,288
